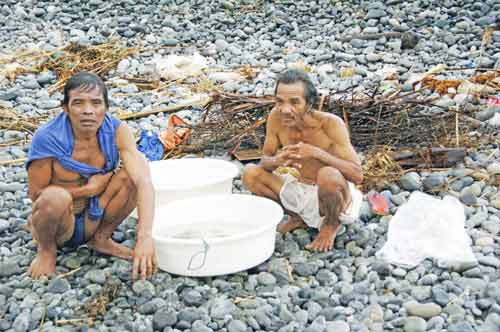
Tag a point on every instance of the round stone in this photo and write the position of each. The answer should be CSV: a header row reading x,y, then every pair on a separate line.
x,y
58,286
415,324
424,310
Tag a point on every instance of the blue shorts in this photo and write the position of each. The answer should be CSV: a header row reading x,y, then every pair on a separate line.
x,y
78,237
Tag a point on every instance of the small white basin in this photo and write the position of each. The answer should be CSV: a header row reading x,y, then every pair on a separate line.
x,y
216,234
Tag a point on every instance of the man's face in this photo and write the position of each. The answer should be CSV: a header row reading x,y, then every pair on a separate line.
x,y
291,103
86,109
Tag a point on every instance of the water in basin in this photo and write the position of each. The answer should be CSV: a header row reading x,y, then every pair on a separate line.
x,y
206,230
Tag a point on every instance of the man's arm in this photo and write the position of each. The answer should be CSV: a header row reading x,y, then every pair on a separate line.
x,y
138,170
39,177
343,157
269,160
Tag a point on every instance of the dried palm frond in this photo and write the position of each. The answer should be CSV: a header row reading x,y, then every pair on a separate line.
x,y
379,168
440,86
67,61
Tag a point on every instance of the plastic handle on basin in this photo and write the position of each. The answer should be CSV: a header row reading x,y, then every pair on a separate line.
x,y
203,252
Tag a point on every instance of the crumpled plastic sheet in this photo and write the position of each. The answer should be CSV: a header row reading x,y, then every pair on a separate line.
x,y
428,227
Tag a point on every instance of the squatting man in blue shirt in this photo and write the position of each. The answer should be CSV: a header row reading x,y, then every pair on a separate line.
x,y
79,192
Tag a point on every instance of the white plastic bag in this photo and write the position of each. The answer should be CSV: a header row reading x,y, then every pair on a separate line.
x,y
175,67
428,227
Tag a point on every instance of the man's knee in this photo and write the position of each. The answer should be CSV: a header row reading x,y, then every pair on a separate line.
x,y
52,203
330,178
125,180
250,175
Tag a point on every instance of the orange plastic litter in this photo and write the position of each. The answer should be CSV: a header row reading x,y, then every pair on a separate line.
x,y
177,132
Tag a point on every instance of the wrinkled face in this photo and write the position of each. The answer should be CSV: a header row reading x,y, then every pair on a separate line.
x,y
291,103
86,109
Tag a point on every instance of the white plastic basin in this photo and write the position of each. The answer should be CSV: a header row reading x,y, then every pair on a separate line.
x,y
183,178
215,235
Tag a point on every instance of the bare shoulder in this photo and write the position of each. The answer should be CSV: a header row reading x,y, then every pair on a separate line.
x,y
273,120
124,136
274,115
331,122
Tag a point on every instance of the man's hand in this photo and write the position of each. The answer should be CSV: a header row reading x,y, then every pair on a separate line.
x,y
281,158
301,151
145,262
98,183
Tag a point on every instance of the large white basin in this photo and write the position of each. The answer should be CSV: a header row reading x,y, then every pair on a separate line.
x,y
183,178
216,234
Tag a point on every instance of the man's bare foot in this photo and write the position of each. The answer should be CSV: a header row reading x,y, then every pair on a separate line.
x,y
325,239
44,264
110,247
290,224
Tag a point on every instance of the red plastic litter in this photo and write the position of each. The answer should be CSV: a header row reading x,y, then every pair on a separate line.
x,y
379,203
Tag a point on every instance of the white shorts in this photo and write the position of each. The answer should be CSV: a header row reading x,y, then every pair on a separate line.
x,y
302,199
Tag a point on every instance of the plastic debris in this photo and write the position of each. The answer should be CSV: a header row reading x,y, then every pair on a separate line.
x,y
150,145
428,227
176,67
175,133
379,203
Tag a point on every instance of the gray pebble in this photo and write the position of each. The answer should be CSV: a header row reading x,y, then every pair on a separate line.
x,y
337,326
490,261
199,326
415,324
96,276
434,181
381,267
11,187
375,13
22,322
440,295
221,308
189,315
48,104
192,297
491,324
424,310
9,268
4,225
411,181
468,197
460,327
58,286
236,326
163,318
266,279
144,289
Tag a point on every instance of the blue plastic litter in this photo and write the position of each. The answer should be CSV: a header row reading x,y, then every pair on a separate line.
x,y
150,145
470,64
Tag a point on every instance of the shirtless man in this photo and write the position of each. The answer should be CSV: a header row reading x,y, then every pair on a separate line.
x,y
317,145
69,208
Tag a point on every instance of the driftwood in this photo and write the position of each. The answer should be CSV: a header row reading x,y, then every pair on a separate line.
x,y
408,39
371,36
430,158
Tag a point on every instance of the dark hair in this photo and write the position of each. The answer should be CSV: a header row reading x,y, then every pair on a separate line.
x,y
85,81
291,76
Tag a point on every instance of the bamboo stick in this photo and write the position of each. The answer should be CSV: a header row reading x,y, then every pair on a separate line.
x,y
202,102
13,161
